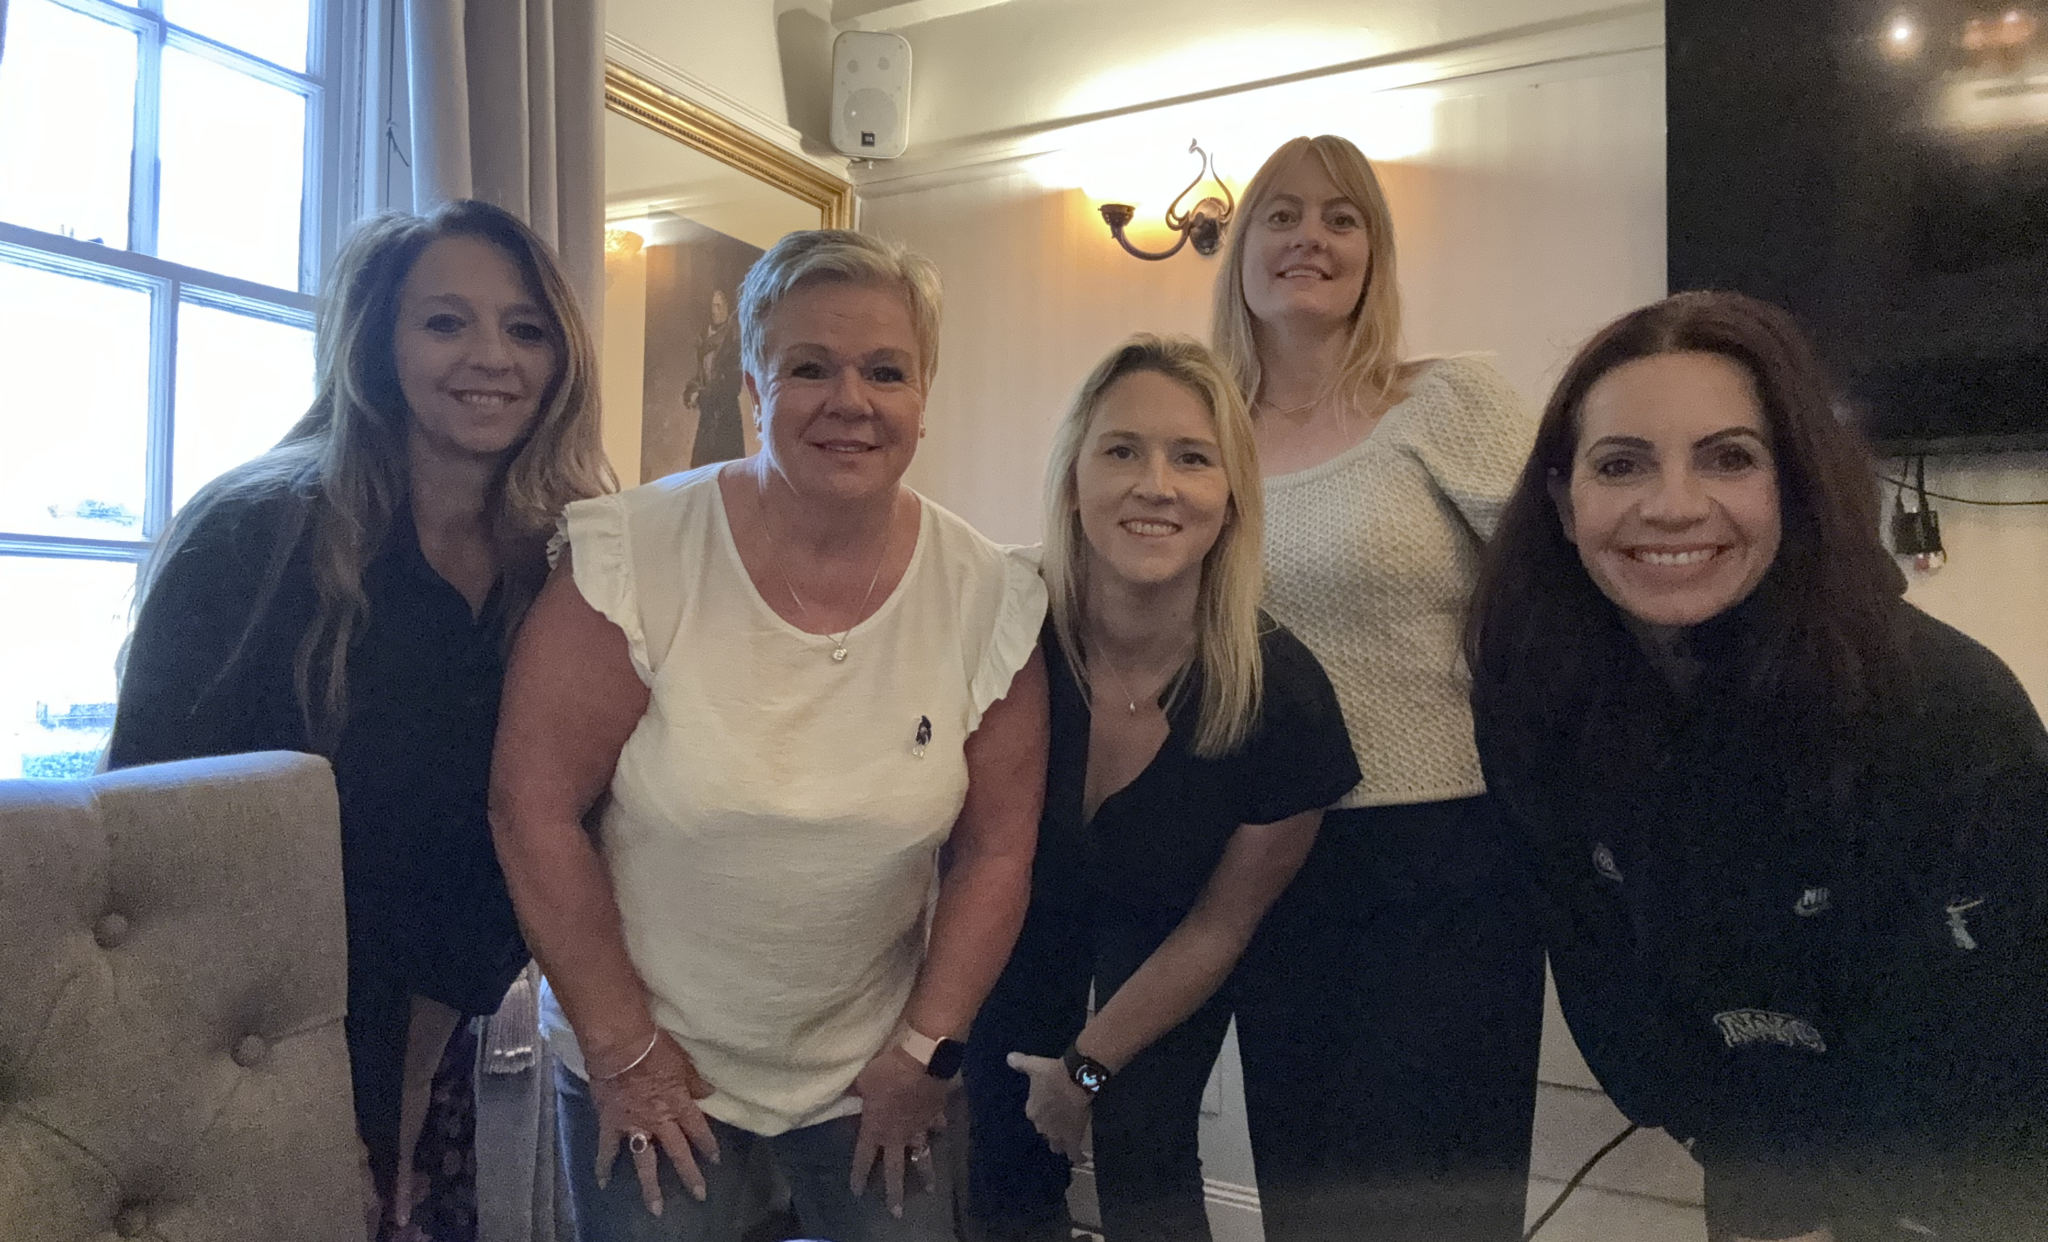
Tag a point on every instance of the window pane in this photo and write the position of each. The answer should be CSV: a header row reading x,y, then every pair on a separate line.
x,y
272,29
74,405
242,381
233,157
59,636
67,123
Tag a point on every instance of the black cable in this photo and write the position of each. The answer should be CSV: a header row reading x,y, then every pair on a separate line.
x,y
1578,1177
1965,500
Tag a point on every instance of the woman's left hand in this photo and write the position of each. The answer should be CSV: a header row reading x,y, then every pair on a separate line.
x,y
901,1106
1057,1106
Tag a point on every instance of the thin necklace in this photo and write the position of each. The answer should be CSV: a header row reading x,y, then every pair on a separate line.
x,y
1130,700
839,639
1277,412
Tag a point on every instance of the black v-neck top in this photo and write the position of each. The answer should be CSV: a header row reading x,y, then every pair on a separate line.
x,y
1153,844
426,900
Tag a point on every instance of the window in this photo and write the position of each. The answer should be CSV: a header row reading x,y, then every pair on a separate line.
x,y
166,196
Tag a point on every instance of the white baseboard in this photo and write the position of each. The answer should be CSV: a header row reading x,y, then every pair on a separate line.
x,y
1233,1209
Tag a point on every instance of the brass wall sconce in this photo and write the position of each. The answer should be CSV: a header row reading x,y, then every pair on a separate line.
x,y
1203,224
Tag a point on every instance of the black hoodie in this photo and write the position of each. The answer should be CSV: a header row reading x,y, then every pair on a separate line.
x,y
1816,955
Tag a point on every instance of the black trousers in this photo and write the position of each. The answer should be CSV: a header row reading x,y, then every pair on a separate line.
x,y
1389,1017
1148,1167
1390,1020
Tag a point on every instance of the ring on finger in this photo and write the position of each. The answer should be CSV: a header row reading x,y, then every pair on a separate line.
x,y
637,1142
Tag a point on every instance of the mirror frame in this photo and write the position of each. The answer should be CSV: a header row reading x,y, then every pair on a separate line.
x,y
697,127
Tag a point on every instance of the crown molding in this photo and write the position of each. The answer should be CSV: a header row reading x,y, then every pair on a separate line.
x,y
906,13
1614,31
678,81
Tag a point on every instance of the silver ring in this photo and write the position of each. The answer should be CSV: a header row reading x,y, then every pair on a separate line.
x,y
637,1142
920,1153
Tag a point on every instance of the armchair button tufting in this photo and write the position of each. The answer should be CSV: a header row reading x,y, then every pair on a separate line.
x,y
133,1221
251,1051
110,931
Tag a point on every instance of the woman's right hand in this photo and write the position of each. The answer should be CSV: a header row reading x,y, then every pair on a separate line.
x,y
656,1098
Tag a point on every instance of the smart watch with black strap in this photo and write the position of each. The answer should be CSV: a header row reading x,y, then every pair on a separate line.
x,y
1087,1073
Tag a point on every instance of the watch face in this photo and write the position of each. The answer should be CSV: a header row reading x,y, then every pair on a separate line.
x,y
946,1058
1090,1076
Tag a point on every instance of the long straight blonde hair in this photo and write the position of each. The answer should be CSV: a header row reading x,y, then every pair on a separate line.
x,y
1226,659
342,471
1372,367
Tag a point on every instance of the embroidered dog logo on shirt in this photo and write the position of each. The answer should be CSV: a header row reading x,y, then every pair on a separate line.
x,y
923,737
1746,1028
1957,928
1603,862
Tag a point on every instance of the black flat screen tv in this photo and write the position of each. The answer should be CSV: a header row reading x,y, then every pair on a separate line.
x,y
1880,169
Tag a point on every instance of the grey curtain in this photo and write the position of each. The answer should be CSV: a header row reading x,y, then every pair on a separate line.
x,y
508,106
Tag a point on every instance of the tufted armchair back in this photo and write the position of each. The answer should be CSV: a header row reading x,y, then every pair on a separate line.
x,y
172,983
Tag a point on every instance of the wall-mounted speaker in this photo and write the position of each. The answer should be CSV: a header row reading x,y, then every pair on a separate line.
x,y
870,94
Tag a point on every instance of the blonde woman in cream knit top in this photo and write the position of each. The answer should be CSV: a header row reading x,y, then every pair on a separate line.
x,y
1396,990
1398,520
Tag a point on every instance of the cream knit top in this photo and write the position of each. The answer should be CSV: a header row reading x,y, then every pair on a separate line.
x,y
1371,558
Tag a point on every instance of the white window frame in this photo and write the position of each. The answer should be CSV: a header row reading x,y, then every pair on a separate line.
x,y
333,196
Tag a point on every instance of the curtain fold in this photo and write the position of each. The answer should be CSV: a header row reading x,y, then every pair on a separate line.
x,y
508,106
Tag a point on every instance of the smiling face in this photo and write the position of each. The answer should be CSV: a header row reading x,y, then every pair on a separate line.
x,y
474,349
1673,496
842,404
1306,254
1150,483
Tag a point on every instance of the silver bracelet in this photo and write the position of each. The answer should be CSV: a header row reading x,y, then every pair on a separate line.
x,y
635,1062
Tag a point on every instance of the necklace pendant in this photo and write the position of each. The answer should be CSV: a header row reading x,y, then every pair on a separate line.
x,y
839,655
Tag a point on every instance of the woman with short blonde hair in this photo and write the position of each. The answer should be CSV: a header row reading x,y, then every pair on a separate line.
x,y
805,708
1399,982
1194,745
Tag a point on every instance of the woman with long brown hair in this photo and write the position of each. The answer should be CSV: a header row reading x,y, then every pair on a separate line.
x,y
1396,1002
352,593
1787,828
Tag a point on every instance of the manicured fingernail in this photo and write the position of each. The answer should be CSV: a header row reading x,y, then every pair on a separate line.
x,y
896,1212
602,1178
655,1207
699,1192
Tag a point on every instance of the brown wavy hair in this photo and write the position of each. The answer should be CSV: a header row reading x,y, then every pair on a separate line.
x,y
342,468
1827,609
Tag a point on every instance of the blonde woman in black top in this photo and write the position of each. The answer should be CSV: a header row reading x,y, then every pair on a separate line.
x,y
1194,745
351,593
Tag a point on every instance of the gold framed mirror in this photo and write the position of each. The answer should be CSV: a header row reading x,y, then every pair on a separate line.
x,y
691,200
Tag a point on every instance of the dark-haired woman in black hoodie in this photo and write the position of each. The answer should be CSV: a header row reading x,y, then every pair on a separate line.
x,y
1791,834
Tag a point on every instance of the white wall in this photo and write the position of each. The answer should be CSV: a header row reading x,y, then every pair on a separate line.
x,y
1029,63
728,45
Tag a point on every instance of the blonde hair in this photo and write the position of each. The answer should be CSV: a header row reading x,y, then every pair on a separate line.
x,y
839,255
343,471
1372,359
1227,619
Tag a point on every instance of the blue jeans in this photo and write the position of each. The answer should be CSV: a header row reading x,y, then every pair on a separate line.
x,y
816,1160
